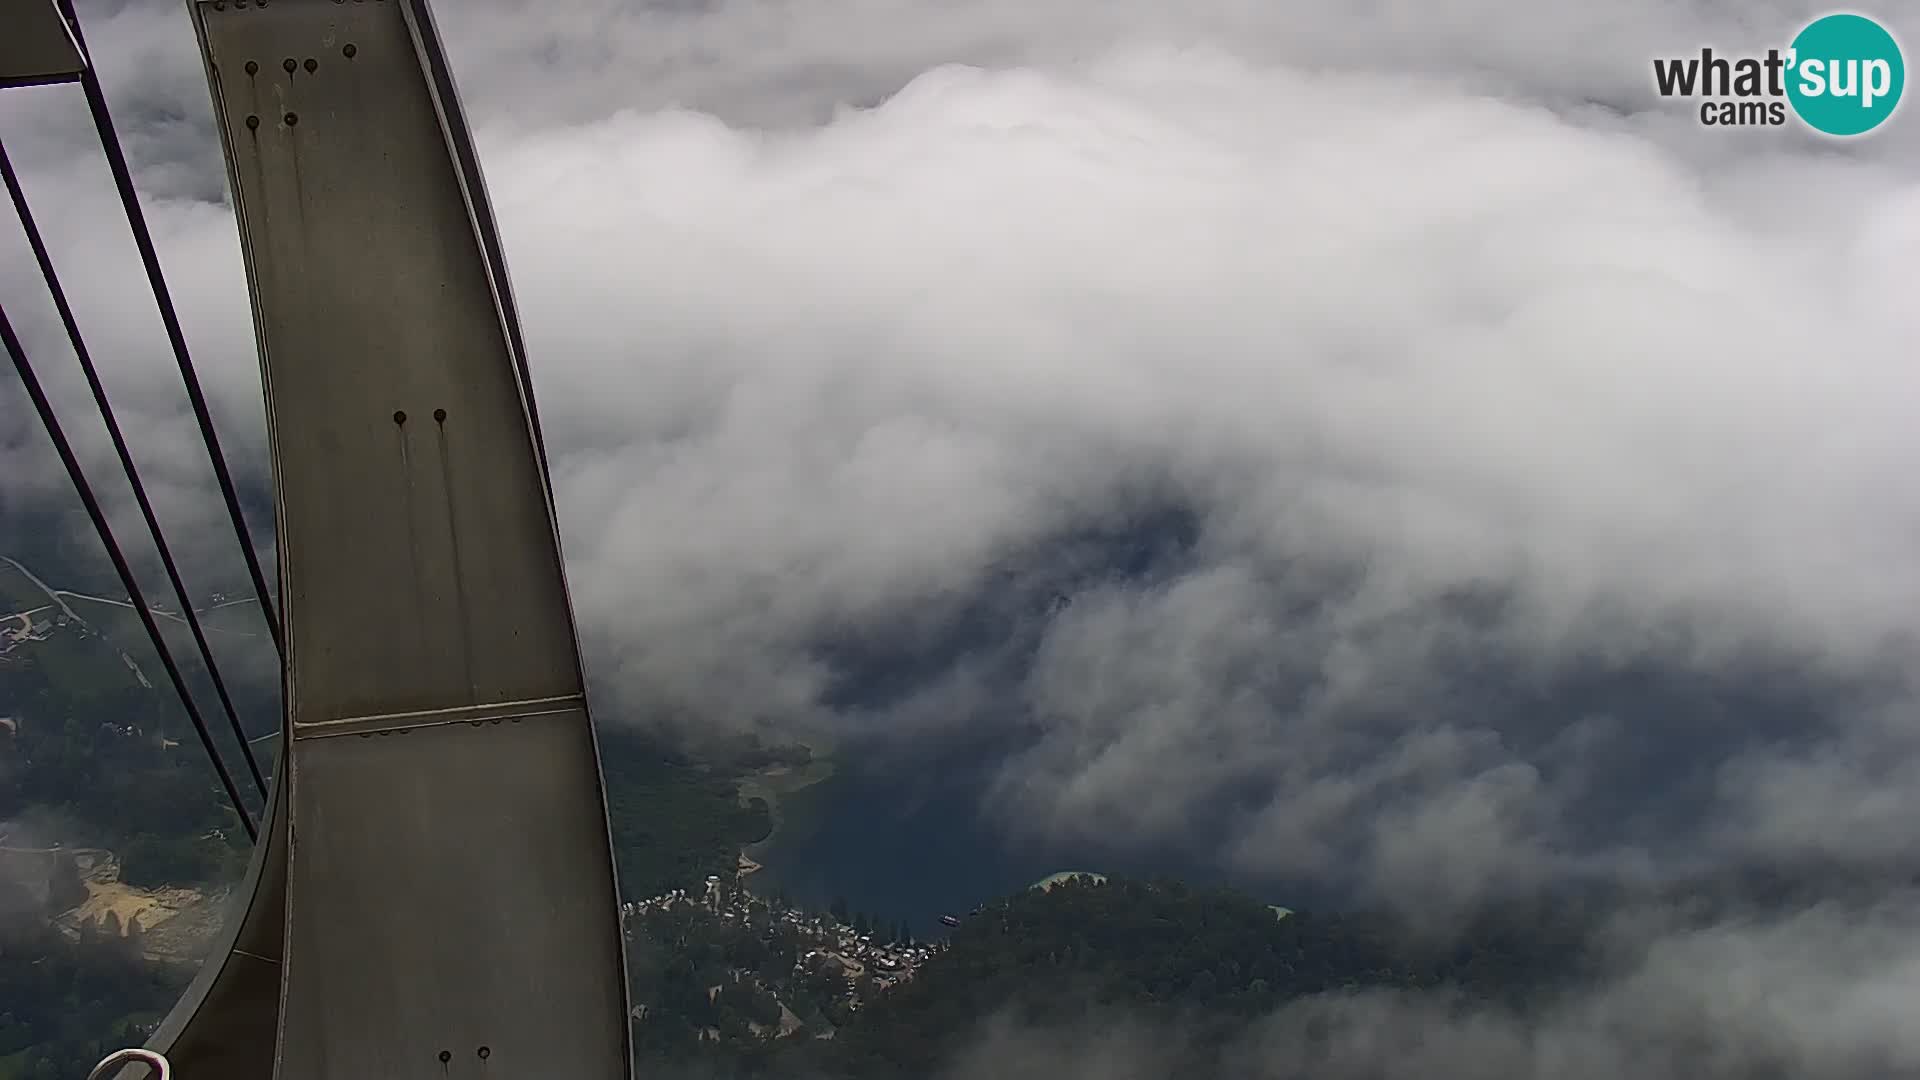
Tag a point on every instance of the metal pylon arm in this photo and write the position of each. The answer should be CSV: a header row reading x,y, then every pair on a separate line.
x,y
436,893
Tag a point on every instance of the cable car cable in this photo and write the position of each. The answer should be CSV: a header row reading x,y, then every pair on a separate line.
x,y
143,238
52,279
52,423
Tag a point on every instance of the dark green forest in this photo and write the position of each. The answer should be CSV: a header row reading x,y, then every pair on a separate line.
x,y
1211,959
678,818
65,1004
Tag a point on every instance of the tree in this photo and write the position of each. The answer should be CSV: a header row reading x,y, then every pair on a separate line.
x,y
763,1008
14,1036
1203,987
153,859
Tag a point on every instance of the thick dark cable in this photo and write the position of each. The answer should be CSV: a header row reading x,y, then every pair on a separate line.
x,y
130,199
85,490
38,244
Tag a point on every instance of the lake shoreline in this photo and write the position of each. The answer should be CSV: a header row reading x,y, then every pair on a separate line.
x,y
776,786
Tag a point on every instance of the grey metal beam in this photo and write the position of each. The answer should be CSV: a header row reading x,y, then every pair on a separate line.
x,y
36,45
450,906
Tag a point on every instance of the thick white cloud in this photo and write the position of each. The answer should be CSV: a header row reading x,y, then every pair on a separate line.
x,y
1374,331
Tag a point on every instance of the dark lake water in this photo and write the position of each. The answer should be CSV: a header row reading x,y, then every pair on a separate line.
x,y
913,843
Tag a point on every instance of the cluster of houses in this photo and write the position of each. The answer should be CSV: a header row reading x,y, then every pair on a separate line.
x,y
838,947
24,626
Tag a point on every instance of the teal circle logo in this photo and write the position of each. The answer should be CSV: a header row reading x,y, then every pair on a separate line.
x,y
1846,74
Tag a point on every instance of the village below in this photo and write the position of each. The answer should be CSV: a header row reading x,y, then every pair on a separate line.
x,y
721,963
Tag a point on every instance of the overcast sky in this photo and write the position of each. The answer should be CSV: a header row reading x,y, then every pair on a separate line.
x,y
1472,374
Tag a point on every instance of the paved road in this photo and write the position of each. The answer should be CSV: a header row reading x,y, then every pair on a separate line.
x,y
165,614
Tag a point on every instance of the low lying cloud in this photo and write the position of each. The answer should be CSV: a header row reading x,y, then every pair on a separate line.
x,y
1819,993
1472,405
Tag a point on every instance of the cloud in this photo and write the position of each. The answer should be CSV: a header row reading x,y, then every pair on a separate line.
x,y
1466,396
1817,993
1542,458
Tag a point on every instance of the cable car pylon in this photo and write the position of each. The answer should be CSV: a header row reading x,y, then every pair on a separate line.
x,y
433,893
